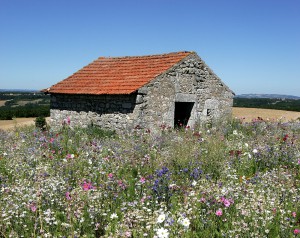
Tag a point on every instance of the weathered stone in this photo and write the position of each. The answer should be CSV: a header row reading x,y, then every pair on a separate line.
x,y
143,90
139,99
183,97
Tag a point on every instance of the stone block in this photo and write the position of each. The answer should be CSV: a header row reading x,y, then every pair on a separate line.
x,y
143,90
139,99
182,97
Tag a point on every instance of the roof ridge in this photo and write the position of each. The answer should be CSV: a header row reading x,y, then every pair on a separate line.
x,y
144,56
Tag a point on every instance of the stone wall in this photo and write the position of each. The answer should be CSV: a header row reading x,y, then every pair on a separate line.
x,y
152,105
188,81
106,111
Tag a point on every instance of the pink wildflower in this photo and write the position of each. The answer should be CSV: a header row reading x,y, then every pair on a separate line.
x,y
294,214
68,197
226,203
70,156
202,200
106,159
66,121
297,231
127,234
121,184
33,207
142,180
110,175
298,161
97,226
219,212
87,186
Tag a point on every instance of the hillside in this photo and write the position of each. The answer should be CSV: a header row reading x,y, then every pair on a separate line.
x,y
270,96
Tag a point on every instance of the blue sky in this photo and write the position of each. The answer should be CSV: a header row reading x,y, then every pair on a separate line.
x,y
252,45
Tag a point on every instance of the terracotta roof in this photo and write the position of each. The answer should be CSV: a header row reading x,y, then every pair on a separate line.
x,y
117,75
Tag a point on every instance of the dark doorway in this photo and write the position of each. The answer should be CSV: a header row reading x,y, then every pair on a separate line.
x,y
182,113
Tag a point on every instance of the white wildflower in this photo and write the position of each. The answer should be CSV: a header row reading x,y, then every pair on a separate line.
x,y
162,233
114,216
161,218
185,222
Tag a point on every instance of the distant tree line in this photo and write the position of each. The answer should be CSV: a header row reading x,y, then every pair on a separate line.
x,y
22,95
268,103
8,113
24,104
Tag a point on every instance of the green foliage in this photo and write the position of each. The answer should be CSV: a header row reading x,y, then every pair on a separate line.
x,y
94,131
24,111
268,103
40,122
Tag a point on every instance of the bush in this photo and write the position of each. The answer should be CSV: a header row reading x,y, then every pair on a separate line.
x,y
40,122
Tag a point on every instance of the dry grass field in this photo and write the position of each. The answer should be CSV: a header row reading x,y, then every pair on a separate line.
x,y
10,124
2,103
247,114
17,122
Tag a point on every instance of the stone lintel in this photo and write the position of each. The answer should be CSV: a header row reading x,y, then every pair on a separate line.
x,y
184,97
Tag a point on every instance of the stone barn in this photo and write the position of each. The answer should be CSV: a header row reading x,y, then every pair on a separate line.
x,y
121,93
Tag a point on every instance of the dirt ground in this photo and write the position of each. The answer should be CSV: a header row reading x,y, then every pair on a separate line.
x,y
2,103
18,122
247,114
267,114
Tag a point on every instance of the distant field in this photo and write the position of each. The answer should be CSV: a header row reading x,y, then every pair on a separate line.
x,y
2,103
24,102
252,113
21,102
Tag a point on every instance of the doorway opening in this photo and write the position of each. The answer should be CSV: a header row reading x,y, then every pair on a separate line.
x,y
182,113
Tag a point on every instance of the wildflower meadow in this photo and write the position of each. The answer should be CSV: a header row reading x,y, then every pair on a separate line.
x,y
236,179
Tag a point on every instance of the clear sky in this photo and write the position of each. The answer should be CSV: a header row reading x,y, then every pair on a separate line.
x,y
252,45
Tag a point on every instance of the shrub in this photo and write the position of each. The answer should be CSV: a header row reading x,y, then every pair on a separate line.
x,y
40,122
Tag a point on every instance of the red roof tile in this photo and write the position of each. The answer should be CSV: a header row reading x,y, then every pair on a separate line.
x,y
118,75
